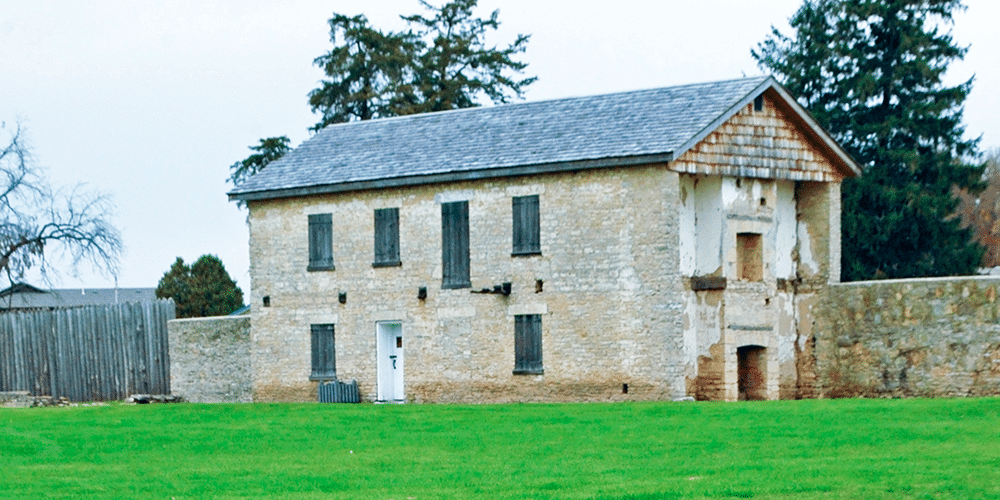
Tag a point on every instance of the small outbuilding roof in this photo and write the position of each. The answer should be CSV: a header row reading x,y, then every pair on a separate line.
x,y
627,128
25,296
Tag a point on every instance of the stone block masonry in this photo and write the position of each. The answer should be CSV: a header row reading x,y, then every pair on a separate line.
x,y
929,337
606,286
15,399
210,359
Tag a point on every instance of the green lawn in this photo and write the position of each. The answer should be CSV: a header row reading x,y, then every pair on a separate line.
x,y
944,448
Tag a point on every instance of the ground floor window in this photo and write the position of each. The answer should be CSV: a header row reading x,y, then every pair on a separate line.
x,y
528,344
324,359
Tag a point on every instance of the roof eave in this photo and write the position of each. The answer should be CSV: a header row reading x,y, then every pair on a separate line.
x,y
455,176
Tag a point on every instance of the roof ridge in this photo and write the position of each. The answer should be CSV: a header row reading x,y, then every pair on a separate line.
x,y
417,116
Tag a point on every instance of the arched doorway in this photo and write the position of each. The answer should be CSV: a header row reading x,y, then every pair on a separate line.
x,y
751,369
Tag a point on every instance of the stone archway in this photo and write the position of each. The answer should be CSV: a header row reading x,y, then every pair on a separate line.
x,y
751,370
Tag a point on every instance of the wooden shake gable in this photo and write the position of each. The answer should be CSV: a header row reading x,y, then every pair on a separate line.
x,y
769,138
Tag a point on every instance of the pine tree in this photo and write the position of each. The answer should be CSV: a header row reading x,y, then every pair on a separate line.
x,y
202,289
871,73
175,284
269,149
457,66
445,65
213,292
368,72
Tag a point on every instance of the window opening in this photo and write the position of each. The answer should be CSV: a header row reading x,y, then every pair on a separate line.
x,y
320,242
455,245
324,364
526,230
528,344
749,257
386,237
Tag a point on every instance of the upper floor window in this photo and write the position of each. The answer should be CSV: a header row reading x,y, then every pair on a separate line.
x,y
526,230
320,242
455,245
749,257
386,237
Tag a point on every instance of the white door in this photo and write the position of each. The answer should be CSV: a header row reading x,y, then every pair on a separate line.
x,y
390,362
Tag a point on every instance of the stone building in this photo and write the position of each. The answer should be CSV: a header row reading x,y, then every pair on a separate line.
x,y
641,245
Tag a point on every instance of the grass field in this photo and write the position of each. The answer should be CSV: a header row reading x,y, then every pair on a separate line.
x,y
944,448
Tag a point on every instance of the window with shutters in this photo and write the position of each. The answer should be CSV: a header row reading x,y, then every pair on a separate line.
x,y
320,242
528,344
526,230
386,237
455,245
324,359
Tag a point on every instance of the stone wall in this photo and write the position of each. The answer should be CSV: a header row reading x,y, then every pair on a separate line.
x,y
15,399
210,359
606,285
929,337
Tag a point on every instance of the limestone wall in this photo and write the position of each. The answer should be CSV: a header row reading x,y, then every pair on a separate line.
x,y
210,359
606,284
926,337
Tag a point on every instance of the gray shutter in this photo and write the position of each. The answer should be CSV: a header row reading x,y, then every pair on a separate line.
x,y
324,364
455,245
526,230
387,237
528,344
320,242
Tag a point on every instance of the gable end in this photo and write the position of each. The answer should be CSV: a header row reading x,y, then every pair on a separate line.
x,y
772,142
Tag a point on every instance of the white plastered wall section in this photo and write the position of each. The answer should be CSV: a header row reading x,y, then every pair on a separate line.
x,y
714,210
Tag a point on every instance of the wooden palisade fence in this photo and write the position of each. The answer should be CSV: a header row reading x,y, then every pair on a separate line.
x,y
93,353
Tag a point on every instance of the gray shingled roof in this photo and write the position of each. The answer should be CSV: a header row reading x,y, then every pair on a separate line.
x,y
602,130
24,296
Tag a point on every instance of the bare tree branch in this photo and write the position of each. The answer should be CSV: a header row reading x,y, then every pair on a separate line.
x,y
38,223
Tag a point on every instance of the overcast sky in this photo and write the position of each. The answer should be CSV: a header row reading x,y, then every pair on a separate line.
x,y
151,102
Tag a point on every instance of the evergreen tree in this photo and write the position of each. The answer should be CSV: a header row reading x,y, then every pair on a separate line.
x,y
445,65
175,284
368,72
203,289
871,73
376,74
269,149
457,66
